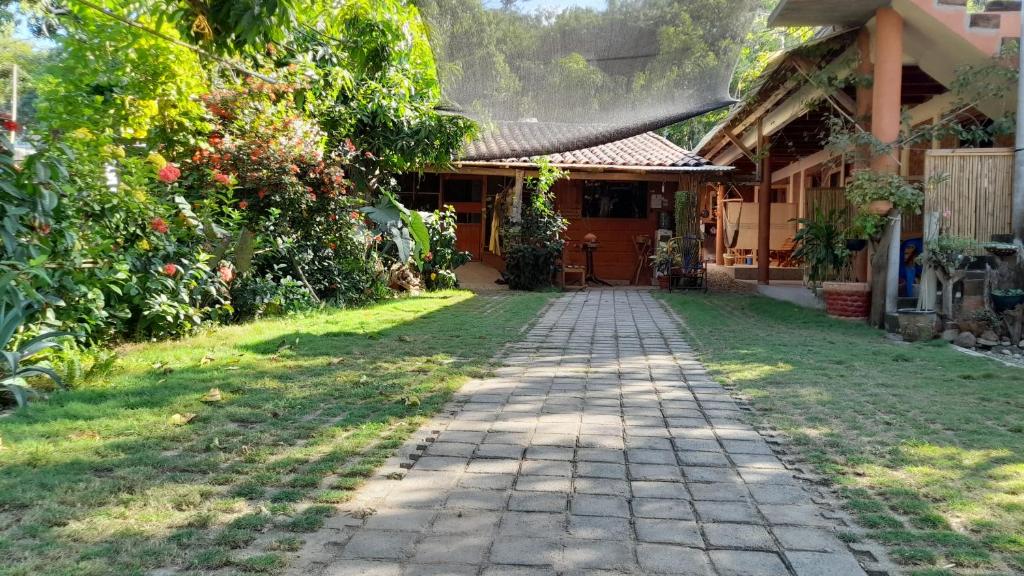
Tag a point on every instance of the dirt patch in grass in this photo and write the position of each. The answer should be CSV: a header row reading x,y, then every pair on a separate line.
x,y
925,443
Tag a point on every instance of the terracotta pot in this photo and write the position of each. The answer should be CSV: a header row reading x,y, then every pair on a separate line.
x,y
879,207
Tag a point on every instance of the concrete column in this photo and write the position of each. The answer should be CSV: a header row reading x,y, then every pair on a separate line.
x,y
888,86
720,226
764,204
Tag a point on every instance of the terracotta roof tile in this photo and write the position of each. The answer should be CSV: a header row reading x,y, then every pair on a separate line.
x,y
645,150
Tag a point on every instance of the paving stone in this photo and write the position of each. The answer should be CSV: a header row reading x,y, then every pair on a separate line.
x,y
643,456
600,455
604,486
518,571
657,472
666,559
778,494
509,451
440,570
664,531
487,466
477,499
549,453
824,564
794,514
743,536
648,443
592,554
710,474
544,484
466,522
599,528
378,544
362,568
743,512
441,463
487,481
403,519
673,490
601,470
662,508
546,468
593,505
463,450
537,502
526,551
719,491
453,549
746,563
807,539
532,524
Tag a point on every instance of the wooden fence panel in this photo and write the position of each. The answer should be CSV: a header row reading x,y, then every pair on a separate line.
x,y
977,193
828,199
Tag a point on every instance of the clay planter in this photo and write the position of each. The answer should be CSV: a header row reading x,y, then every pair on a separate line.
x,y
848,300
879,207
917,324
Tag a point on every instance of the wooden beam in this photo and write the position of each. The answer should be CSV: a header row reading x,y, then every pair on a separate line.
x,y
517,198
802,165
736,142
837,97
764,204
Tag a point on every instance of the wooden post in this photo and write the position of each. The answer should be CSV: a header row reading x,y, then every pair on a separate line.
x,y
517,198
927,287
764,216
720,227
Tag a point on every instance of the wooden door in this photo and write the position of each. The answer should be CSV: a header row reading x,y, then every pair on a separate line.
x,y
465,195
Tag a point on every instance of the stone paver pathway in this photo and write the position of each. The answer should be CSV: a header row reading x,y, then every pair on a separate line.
x,y
601,447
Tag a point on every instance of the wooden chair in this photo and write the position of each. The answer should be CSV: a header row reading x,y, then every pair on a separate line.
x,y
693,273
783,257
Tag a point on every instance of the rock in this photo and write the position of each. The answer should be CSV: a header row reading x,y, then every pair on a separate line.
x,y
990,336
1004,352
1005,341
986,343
950,335
966,340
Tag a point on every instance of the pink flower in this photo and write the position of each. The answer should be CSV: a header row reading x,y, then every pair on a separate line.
x,y
429,256
170,270
312,197
169,174
222,178
349,145
159,225
354,215
243,204
226,274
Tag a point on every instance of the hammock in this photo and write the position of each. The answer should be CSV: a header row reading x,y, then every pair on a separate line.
x,y
733,210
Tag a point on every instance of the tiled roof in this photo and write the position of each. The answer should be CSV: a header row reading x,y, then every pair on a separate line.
x,y
647,150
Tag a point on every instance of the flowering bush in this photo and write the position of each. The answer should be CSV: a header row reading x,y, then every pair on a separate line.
x,y
440,263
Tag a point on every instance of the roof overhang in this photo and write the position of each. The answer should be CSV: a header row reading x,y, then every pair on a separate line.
x,y
842,13
594,168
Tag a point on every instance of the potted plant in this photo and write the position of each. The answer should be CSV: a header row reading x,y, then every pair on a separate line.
x,y
821,246
663,260
864,226
1007,299
878,192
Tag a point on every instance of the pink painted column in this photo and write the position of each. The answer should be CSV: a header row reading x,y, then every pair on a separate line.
x,y
888,86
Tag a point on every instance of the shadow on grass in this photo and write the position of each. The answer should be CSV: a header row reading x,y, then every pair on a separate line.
x,y
95,480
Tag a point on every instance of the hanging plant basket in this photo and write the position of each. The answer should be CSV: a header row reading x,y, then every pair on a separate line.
x,y
879,207
1000,249
856,244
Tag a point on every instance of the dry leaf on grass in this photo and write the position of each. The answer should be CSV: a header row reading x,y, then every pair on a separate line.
x,y
213,395
182,419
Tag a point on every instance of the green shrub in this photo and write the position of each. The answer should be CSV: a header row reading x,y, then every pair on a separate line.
x,y
444,257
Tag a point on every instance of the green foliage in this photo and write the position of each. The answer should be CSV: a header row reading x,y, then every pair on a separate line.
x,y
444,257
17,370
866,186
949,252
821,246
533,244
259,296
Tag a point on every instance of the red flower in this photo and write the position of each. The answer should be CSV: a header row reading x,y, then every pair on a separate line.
x,y
354,215
349,145
261,193
170,270
312,197
43,229
11,125
159,225
332,245
222,178
332,217
243,204
429,256
293,169
169,174
226,274
215,140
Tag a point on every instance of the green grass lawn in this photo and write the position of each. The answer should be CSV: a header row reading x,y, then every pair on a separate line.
x,y
103,480
926,442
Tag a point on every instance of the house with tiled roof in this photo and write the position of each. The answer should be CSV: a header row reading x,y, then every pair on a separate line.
x,y
619,191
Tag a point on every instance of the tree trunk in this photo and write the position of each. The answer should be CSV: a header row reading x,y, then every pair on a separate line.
x,y
879,273
244,251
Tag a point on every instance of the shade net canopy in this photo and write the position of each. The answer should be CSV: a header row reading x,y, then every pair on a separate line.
x,y
547,76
